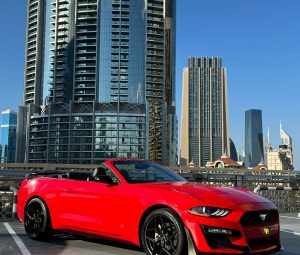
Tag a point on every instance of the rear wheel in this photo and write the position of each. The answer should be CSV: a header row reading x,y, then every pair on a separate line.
x,y
163,233
37,219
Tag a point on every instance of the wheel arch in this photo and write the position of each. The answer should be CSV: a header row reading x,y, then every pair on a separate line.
x,y
151,209
33,197
43,200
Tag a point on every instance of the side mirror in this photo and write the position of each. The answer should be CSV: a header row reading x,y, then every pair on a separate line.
x,y
106,179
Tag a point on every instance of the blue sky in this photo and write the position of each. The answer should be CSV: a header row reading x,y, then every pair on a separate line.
x,y
259,41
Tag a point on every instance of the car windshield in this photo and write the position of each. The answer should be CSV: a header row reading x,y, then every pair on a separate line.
x,y
144,172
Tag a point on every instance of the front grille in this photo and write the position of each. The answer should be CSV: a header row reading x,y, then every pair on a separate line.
x,y
259,217
261,242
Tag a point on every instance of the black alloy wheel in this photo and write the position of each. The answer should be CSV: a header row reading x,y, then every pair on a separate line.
x,y
37,219
163,233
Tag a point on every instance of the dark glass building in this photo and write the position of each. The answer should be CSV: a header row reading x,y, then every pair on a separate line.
x,y
110,63
205,87
233,152
8,136
254,152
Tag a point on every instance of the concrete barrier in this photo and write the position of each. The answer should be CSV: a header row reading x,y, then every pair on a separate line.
x,y
14,191
258,188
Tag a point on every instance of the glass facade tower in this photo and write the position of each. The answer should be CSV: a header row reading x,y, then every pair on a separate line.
x,y
254,152
205,88
8,136
114,55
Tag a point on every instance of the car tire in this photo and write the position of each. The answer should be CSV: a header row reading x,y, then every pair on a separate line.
x,y
37,220
163,233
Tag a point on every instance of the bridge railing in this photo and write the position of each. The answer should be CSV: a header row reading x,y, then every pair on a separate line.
x,y
284,192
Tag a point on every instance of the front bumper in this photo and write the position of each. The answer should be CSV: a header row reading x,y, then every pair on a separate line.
x,y
232,235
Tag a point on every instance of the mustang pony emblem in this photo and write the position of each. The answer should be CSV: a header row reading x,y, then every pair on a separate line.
x,y
263,216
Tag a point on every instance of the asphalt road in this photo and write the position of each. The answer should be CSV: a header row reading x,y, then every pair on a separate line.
x,y
13,240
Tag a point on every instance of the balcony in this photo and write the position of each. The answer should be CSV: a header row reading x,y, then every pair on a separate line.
x,y
85,65
86,58
91,44
86,24
88,17
79,38
87,72
85,31
88,79
88,10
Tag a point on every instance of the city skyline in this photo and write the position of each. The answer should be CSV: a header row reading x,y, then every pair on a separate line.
x,y
259,51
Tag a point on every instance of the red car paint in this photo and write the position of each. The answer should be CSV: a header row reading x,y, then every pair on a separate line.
x,y
116,211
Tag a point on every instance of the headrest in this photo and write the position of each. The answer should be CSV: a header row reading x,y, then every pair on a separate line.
x,y
99,171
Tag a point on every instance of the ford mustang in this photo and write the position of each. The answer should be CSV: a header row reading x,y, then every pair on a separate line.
x,y
145,204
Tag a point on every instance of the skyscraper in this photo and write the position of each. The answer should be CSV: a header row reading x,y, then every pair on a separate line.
x,y
286,139
281,158
8,136
233,151
100,79
205,134
184,136
254,149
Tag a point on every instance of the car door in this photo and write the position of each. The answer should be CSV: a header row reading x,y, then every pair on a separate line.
x,y
93,207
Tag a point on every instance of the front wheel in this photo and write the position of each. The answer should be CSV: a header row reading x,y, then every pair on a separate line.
x,y
37,219
163,233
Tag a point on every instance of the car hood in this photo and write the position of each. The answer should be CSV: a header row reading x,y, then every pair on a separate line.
x,y
211,195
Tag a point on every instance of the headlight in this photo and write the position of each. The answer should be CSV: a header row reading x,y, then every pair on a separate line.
x,y
207,211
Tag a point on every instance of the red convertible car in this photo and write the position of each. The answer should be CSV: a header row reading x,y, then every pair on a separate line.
x,y
147,205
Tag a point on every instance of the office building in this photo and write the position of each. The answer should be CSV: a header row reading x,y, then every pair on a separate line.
x,y
267,145
254,150
285,138
233,151
241,156
281,158
100,81
205,134
8,136
184,137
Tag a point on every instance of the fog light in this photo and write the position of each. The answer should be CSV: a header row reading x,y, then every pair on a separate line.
x,y
219,231
208,230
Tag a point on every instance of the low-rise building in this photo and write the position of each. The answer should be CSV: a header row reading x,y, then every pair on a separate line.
x,y
224,162
260,166
281,158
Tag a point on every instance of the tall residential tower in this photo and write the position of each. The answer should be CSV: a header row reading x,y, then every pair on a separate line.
x,y
100,80
204,132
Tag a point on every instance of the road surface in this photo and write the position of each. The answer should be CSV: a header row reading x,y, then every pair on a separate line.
x,y
14,241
